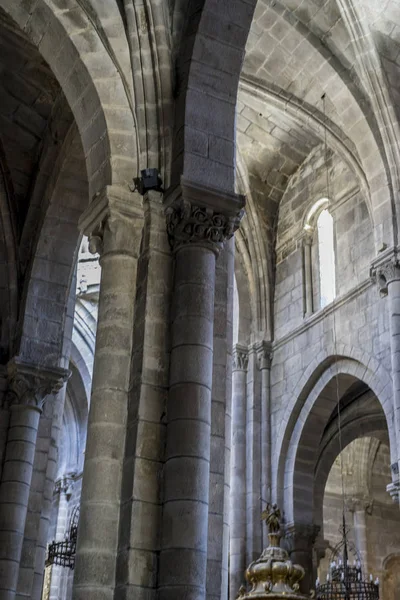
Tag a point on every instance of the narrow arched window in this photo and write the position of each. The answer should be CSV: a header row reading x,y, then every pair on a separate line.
x,y
326,253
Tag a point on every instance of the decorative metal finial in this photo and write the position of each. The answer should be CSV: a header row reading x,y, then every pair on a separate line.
x,y
273,576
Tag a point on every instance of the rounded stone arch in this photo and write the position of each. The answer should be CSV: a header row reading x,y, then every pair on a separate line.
x,y
48,290
90,80
369,425
306,417
209,66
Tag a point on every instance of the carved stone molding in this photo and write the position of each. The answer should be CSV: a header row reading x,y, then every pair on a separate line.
x,y
264,355
240,358
198,215
301,537
30,385
109,220
386,269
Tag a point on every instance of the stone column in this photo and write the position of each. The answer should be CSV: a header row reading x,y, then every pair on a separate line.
x,y
198,222
222,345
386,271
141,497
300,539
63,492
114,223
238,471
360,507
308,286
264,353
29,386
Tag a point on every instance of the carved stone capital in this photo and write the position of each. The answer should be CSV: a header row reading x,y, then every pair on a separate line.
x,y
301,537
113,221
240,358
65,485
307,237
386,269
264,355
360,504
30,385
202,216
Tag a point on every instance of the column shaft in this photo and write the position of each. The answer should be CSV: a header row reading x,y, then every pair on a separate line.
x,y
183,557
230,246
14,493
141,497
114,223
215,547
29,386
394,323
238,521
264,361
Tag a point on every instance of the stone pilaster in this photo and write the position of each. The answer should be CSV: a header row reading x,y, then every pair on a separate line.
x,y
238,521
114,223
386,272
264,355
300,539
141,498
199,220
29,387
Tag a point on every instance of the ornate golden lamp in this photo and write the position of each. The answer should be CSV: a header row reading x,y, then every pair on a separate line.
x,y
273,576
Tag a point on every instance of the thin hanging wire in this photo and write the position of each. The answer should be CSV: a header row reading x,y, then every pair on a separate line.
x,y
328,192
345,550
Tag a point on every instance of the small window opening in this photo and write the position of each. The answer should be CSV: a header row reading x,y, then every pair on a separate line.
x,y
326,252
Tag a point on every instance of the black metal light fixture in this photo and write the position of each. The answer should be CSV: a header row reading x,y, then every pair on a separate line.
x,y
149,180
345,580
63,553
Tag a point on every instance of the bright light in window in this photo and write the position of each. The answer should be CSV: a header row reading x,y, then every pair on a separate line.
x,y
326,253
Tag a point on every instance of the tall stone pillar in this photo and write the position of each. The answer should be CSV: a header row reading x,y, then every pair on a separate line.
x,y
300,539
264,353
198,221
141,497
360,507
114,223
29,386
238,471
222,345
308,286
58,573
386,271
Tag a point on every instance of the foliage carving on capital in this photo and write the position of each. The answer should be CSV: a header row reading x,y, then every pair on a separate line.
x,y
189,223
240,358
386,270
264,355
30,385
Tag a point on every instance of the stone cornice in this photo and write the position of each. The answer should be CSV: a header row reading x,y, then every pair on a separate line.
x,y
198,215
30,385
323,313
